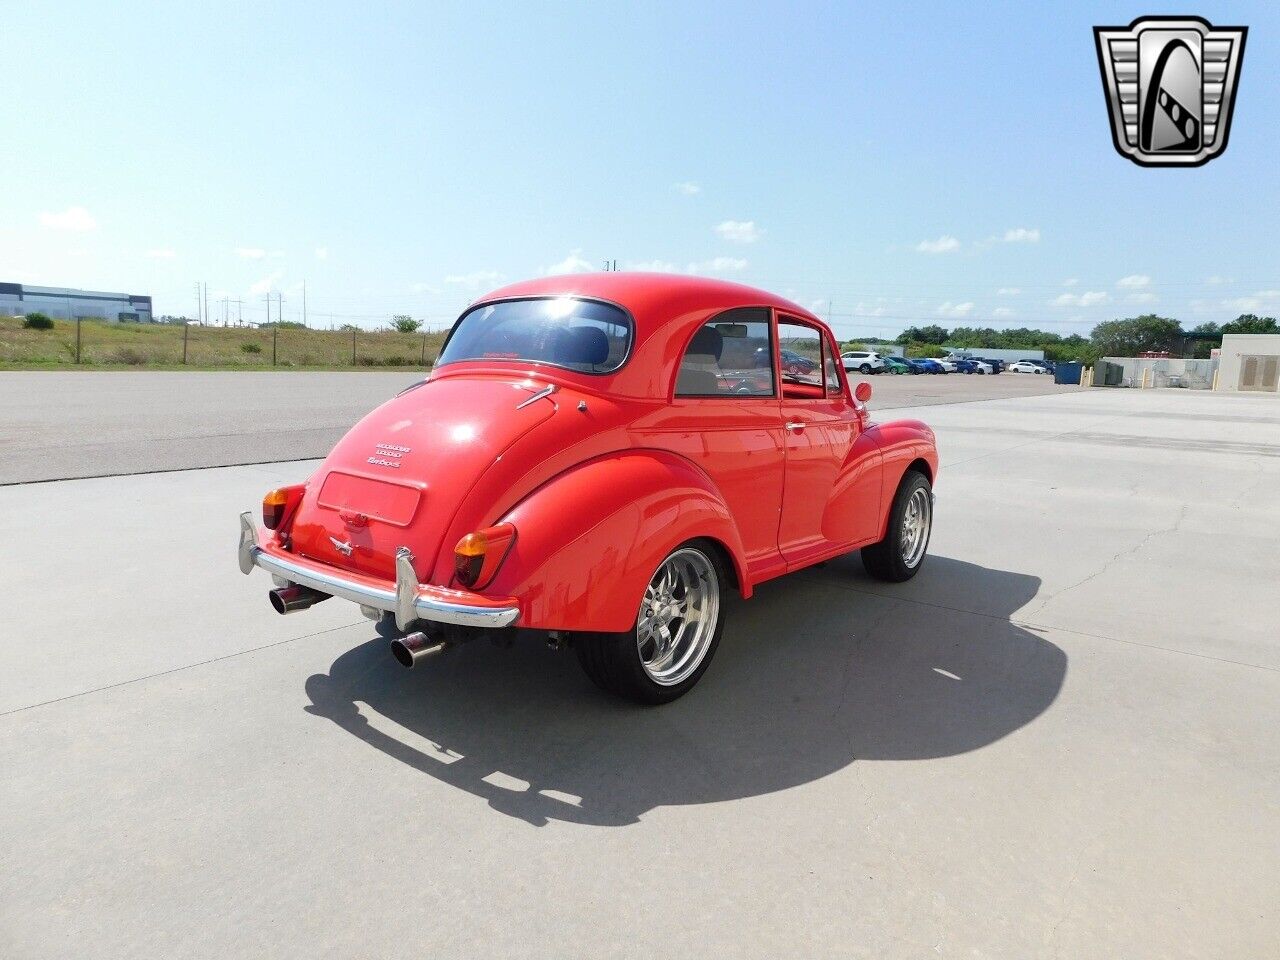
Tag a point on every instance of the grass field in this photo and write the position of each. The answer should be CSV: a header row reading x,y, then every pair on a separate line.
x,y
142,345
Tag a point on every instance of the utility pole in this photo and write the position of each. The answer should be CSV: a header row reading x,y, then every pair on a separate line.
x,y
239,316
206,301
199,312
268,321
304,303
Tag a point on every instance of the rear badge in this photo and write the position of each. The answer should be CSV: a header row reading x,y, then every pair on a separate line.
x,y
343,548
388,455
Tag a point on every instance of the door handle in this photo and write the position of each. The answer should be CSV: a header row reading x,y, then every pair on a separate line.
x,y
794,425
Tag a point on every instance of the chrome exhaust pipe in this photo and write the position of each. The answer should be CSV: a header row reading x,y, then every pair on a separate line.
x,y
413,648
292,598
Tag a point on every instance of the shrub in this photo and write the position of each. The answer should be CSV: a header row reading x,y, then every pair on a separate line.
x,y
38,321
403,323
397,362
367,361
130,356
251,347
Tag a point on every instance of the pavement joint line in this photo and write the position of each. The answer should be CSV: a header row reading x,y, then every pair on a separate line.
x,y
186,666
143,473
1037,626
1044,439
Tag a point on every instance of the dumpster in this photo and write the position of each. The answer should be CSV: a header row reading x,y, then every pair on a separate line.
x,y
1067,372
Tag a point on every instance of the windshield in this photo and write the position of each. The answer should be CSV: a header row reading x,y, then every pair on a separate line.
x,y
583,335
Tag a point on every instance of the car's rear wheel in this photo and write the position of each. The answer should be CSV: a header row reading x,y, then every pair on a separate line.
x,y
900,555
865,368
676,631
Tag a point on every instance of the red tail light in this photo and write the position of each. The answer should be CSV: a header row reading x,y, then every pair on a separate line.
x,y
478,555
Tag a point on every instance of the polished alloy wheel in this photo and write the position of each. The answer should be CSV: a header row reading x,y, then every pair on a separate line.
x,y
916,521
678,617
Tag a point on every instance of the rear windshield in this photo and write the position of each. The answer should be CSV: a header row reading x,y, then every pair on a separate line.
x,y
583,335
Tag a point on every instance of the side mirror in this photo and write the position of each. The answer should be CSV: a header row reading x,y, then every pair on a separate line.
x,y
862,392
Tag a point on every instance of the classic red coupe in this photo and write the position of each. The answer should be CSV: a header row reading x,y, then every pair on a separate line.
x,y
601,458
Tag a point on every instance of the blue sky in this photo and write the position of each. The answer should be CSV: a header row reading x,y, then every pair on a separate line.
x,y
893,165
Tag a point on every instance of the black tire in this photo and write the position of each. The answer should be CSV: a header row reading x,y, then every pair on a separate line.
x,y
612,660
884,560
865,368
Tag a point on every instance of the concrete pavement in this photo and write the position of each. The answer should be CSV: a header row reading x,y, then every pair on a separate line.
x,y
1059,740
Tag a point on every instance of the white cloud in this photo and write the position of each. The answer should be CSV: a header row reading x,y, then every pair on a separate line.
x,y
423,288
944,244
1090,299
1008,291
1134,281
1002,312
950,309
268,284
1262,300
718,265
1215,280
654,266
73,218
1070,282
739,231
257,253
1141,298
322,253
688,188
474,279
1022,235
161,253
573,263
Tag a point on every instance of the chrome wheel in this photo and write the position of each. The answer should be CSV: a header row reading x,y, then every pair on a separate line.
x,y
916,521
678,617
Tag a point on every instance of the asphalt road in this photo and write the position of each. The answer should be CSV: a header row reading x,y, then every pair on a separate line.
x,y
58,425
1062,739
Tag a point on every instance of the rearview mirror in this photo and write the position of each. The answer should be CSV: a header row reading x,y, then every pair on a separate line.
x,y
732,329
862,392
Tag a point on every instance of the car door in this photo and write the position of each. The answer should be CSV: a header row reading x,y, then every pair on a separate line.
x,y
831,486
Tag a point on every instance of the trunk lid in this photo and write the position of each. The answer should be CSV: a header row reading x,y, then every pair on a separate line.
x,y
399,475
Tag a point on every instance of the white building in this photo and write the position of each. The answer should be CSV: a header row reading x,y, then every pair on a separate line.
x,y
1249,361
66,303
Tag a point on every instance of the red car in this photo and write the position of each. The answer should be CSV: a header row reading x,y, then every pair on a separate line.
x,y
603,458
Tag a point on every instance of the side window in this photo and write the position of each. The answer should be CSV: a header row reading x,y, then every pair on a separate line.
x,y
800,355
730,355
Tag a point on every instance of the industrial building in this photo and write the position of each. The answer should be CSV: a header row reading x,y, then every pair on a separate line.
x,y
1249,362
66,303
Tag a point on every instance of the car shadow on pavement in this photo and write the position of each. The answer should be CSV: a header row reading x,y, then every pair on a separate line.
x,y
817,671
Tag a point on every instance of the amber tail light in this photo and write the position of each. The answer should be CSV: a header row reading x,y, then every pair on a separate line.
x,y
478,555
277,505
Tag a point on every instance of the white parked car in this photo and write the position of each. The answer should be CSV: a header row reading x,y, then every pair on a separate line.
x,y
1025,366
948,366
864,361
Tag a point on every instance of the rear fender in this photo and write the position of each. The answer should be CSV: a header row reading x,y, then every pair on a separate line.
x,y
589,540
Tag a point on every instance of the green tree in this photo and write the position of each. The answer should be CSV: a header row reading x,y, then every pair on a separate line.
x,y
1135,335
403,323
38,321
1251,323
930,334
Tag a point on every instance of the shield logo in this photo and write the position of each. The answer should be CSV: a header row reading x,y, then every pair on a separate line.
x,y
1170,84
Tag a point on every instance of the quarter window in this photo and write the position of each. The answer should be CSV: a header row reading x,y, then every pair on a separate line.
x,y
730,355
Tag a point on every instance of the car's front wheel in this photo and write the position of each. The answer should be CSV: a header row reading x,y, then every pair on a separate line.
x,y
676,631
865,368
899,556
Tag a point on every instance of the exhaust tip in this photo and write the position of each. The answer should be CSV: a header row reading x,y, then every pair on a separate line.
x,y
293,598
413,648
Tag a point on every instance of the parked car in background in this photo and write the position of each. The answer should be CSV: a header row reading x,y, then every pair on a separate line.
x,y
948,366
597,458
864,361
896,365
969,365
928,365
997,366
1026,366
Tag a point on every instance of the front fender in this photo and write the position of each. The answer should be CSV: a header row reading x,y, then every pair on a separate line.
x,y
902,443
588,541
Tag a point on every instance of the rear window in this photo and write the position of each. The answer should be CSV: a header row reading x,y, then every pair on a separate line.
x,y
583,335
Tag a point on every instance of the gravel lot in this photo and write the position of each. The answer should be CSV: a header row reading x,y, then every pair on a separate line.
x,y
1060,740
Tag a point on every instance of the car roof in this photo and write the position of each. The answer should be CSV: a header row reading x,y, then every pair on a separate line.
x,y
666,309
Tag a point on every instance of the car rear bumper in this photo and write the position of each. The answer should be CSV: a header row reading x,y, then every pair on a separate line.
x,y
405,597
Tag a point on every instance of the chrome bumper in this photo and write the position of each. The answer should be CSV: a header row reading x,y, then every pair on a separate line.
x,y
407,601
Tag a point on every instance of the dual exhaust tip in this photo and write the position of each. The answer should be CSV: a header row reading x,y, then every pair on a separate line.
x,y
409,650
